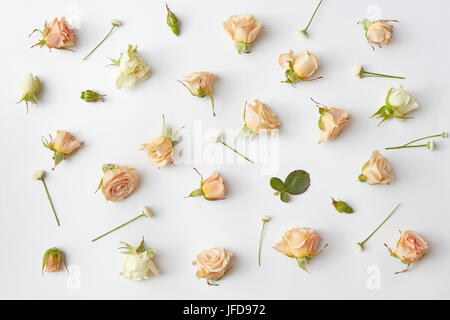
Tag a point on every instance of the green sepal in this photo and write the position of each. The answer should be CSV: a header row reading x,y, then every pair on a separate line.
x,y
108,166
115,62
321,127
243,47
277,184
366,24
291,77
196,193
58,157
361,178
302,262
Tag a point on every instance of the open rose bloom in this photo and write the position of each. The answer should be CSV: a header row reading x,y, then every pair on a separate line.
x,y
58,34
132,67
377,170
212,188
118,182
63,145
201,84
378,32
213,264
138,264
243,29
259,117
332,122
410,248
301,244
299,67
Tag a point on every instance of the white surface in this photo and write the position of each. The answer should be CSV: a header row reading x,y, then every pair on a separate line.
x,y
114,130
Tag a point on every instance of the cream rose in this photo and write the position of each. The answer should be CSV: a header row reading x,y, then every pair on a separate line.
x,y
138,264
243,29
132,68
377,170
213,263
118,182
379,32
159,151
31,86
259,116
299,67
332,122
401,101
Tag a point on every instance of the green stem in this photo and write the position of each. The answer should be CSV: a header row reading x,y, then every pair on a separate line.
x,y
260,241
361,243
212,103
122,225
433,136
312,17
110,31
236,151
381,75
50,200
406,146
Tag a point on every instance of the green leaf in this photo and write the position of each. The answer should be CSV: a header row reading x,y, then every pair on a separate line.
x,y
297,182
284,196
277,184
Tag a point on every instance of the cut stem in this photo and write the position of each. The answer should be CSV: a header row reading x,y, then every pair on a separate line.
x,y
260,242
407,146
212,103
236,151
312,17
387,218
122,225
433,136
109,33
50,200
372,74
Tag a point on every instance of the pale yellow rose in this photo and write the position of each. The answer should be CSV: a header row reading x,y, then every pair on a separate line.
x,y
411,247
213,263
213,188
200,84
377,170
159,151
299,243
259,116
332,122
65,143
132,68
138,264
243,29
379,32
119,182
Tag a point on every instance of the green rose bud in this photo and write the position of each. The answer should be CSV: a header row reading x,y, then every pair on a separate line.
x,y
172,21
92,96
341,206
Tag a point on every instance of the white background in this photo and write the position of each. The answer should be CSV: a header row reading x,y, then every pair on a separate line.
x,y
113,132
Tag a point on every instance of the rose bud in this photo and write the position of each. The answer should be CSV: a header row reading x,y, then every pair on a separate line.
x,y
301,244
132,68
398,104
62,146
410,248
172,21
299,67
53,260
201,84
92,96
58,34
118,182
138,263
341,206
332,122
212,188
257,117
243,29
31,86
213,264
377,170
378,32
160,149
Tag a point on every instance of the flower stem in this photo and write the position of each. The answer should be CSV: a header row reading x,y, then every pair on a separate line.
x,y
236,151
381,75
50,200
110,31
407,146
260,241
122,225
312,17
433,136
212,103
362,243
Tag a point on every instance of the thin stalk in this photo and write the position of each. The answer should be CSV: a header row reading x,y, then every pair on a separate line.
x,y
212,103
312,17
236,151
407,146
122,225
110,31
50,200
433,136
382,75
387,218
260,241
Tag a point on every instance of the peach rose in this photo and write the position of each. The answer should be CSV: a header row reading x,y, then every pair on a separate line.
x,y
302,66
213,187
260,117
243,29
200,84
379,32
65,143
59,34
53,260
118,182
411,247
377,170
299,243
159,151
213,263
332,122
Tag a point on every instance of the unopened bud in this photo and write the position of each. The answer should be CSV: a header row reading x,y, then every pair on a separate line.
x,y
92,96
342,206
172,21
53,260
